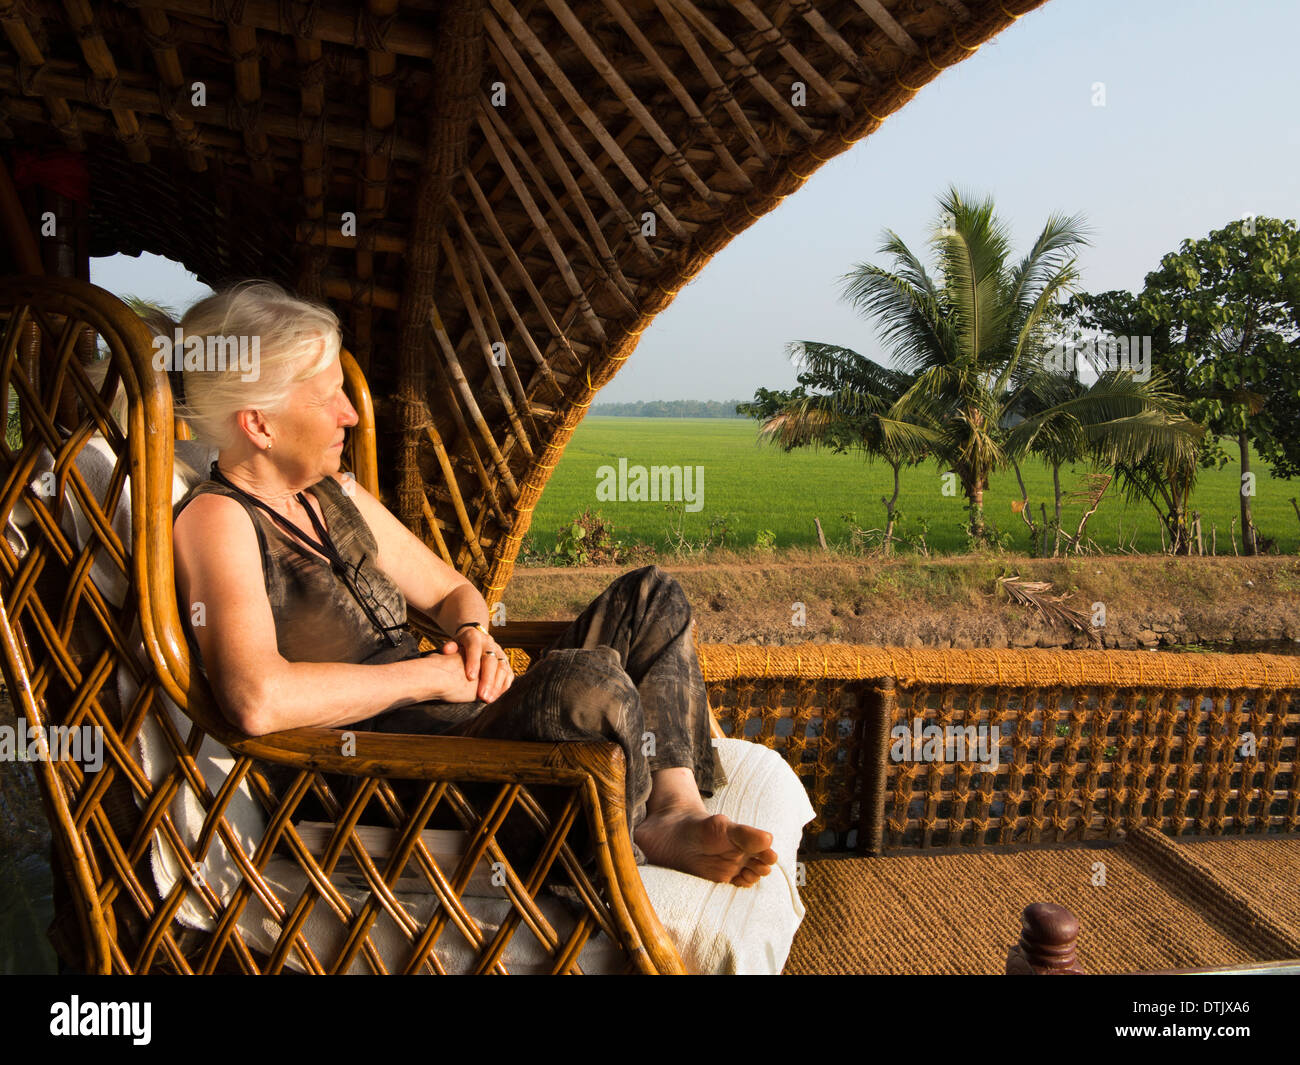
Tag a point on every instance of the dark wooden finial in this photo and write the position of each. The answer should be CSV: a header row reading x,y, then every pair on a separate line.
x,y
1047,936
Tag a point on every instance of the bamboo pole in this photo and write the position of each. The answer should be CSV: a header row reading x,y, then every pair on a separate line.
x,y
457,76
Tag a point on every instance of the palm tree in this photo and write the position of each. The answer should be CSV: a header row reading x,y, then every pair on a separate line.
x,y
975,344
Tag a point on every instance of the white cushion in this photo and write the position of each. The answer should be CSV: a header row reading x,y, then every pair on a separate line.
x,y
718,928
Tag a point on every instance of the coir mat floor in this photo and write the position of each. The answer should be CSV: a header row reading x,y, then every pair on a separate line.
x,y
1148,903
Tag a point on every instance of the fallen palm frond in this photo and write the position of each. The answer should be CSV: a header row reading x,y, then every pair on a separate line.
x,y
1051,608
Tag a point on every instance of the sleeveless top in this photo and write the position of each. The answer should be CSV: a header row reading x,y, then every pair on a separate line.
x,y
317,619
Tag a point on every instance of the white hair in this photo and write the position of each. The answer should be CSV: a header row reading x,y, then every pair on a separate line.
x,y
289,334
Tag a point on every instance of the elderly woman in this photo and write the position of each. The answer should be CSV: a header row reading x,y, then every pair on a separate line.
x,y
304,577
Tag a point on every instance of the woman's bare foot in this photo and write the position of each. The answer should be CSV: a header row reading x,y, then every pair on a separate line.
x,y
690,839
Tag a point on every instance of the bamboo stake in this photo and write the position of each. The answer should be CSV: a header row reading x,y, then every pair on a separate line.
x,y
608,260
774,37
836,43
503,242
738,59
620,288
542,57
457,501
683,97
543,230
480,467
166,58
882,18
517,72
452,365
596,56
508,303
507,360
485,343
713,79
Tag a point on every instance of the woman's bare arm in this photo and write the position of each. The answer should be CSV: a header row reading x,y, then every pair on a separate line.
x,y
220,582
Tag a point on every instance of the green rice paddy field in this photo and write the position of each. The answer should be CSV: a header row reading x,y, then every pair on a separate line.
x,y
752,487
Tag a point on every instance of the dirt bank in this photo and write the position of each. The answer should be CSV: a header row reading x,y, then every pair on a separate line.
x,y
1149,601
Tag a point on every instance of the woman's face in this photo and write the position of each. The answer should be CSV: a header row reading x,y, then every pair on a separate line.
x,y
308,435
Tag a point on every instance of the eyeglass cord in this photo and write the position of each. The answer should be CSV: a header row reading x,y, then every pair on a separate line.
x,y
327,548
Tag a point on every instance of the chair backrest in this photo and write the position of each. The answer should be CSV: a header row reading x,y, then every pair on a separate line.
x,y
90,636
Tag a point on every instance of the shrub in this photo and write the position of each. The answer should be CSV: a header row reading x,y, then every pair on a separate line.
x,y
588,540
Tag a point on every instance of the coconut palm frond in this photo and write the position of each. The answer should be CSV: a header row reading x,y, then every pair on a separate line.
x,y
1051,255
1029,349
1088,494
909,322
906,438
1126,441
1051,608
159,317
835,368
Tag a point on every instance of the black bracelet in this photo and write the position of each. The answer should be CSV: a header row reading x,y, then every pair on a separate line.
x,y
477,624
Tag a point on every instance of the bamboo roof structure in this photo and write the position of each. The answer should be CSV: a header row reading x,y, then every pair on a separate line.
x,y
496,196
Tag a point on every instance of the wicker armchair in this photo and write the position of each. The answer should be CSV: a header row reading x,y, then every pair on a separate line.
x,y
64,640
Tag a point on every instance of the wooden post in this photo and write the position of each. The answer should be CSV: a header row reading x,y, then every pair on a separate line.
x,y
1048,933
881,701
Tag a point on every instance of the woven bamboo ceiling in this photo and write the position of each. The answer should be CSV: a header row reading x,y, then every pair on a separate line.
x,y
531,182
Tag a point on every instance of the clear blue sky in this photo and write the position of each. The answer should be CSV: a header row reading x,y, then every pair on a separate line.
x,y
1199,127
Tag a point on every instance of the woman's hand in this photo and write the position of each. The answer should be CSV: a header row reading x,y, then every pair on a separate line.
x,y
485,662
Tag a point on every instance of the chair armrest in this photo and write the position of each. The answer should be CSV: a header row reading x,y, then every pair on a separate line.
x,y
531,637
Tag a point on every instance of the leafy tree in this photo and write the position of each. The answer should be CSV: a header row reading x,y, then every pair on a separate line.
x,y
974,342
1164,479
1231,302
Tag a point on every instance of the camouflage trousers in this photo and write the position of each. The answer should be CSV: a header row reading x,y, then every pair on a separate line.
x,y
624,671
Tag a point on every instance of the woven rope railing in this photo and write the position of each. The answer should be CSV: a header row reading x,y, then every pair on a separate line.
x,y
1089,744
315,850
